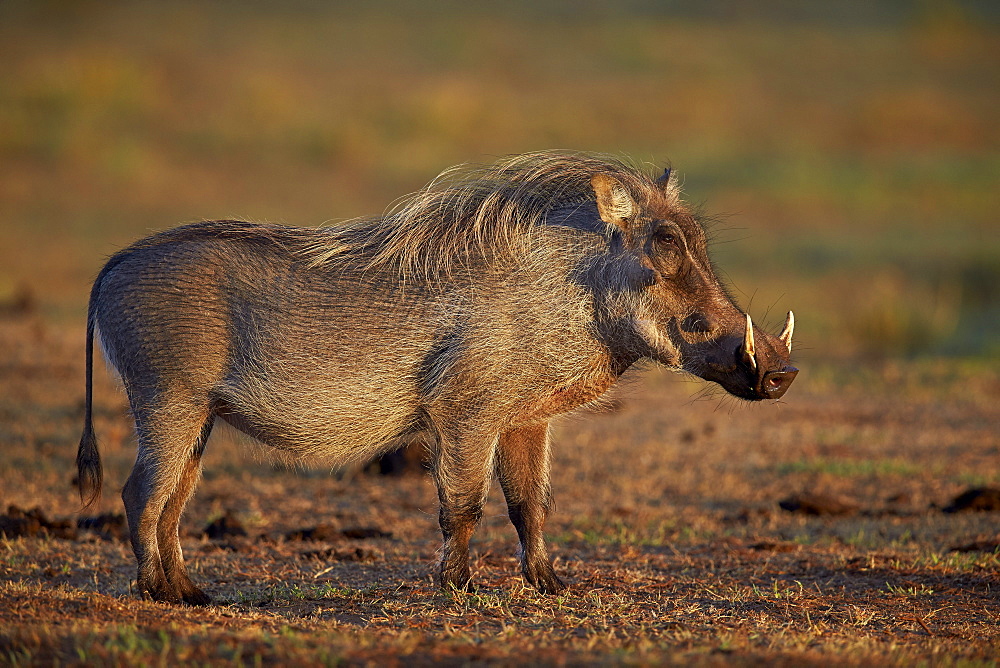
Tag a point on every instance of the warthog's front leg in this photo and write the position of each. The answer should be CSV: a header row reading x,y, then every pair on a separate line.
x,y
523,468
463,469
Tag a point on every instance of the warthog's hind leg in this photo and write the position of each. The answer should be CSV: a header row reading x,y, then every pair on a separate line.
x,y
167,536
523,469
143,512
164,473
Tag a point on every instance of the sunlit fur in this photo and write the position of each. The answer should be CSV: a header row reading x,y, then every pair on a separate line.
x,y
470,212
473,313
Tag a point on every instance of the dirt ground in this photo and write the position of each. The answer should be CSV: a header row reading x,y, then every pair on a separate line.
x,y
691,528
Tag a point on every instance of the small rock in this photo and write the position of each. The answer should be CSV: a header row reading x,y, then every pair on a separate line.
x,y
225,527
323,532
775,546
109,526
19,527
809,503
329,534
365,532
976,499
343,554
983,545
27,523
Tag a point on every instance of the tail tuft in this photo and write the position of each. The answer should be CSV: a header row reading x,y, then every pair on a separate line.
x,y
90,473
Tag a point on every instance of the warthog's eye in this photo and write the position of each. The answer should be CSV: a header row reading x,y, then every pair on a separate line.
x,y
666,250
664,236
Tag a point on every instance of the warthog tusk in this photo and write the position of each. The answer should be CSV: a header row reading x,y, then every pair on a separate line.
x,y
748,346
786,333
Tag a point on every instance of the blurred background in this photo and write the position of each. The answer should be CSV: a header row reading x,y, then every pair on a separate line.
x,y
846,153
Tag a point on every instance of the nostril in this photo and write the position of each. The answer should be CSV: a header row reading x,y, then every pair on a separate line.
x,y
775,383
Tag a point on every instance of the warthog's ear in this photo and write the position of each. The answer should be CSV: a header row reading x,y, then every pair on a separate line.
x,y
664,179
614,204
668,183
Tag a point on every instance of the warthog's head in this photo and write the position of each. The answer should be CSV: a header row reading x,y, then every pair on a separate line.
x,y
681,312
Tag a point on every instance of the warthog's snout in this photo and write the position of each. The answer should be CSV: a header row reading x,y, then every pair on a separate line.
x,y
768,361
775,383
753,367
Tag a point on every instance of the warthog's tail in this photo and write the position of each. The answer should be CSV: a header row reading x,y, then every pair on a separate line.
x,y
90,475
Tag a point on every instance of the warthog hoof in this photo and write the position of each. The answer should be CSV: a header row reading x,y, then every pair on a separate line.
x,y
459,578
197,597
159,592
543,577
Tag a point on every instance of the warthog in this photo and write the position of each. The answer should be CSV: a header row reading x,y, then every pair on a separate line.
x,y
473,313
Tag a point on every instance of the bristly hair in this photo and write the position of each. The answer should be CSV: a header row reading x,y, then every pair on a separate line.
x,y
472,212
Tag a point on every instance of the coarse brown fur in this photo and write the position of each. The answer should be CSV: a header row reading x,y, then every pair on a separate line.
x,y
480,308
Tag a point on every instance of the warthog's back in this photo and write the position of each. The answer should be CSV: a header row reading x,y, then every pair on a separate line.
x,y
337,361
